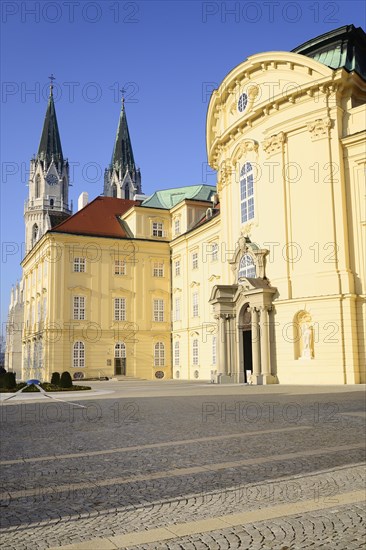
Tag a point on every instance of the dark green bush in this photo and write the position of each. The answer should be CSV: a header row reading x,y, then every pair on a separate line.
x,y
9,380
55,379
66,380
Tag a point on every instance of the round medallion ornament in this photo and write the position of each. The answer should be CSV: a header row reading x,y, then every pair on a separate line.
x,y
159,374
78,375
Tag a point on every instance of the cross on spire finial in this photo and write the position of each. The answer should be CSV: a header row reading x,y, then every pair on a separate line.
x,y
52,78
123,91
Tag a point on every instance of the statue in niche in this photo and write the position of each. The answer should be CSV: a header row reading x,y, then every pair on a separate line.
x,y
306,331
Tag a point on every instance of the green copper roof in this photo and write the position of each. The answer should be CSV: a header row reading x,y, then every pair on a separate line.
x,y
167,198
343,47
122,157
50,144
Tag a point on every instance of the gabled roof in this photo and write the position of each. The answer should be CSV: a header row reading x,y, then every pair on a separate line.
x,y
167,198
100,218
50,144
122,156
343,47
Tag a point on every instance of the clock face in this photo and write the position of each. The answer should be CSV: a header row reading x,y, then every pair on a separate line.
x,y
51,179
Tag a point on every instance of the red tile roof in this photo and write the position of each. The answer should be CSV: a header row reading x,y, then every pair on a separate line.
x,y
98,218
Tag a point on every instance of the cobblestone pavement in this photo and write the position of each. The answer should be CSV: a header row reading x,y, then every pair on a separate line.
x,y
138,466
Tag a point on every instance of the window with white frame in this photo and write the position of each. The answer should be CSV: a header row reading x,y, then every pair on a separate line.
x,y
177,226
79,308
195,304
120,350
194,260
214,252
177,268
158,269
79,265
177,309
119,267
158,310
246,267
247,192
214,350
157,229
39,311
78,355
120,309
159,354
176,354
195,352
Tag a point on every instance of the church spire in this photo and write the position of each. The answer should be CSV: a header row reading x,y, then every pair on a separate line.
x,y
50,144
122,157
123,178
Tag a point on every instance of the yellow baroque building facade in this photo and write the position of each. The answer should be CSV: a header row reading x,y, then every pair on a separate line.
x,y
260,279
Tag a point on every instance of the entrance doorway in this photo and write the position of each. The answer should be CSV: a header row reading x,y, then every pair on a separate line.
x,y
120,366
120,359
247,354
245,325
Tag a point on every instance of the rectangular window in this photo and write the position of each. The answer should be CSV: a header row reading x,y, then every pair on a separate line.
x,y
195,352
44,308
195,304
158,270
177,227
79,265
176,354
157,229
120,309
214,252
158,310
214,350
79,308
120,267
177,309
177,268
195,260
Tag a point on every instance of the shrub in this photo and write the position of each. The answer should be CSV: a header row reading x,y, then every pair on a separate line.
x,y
55,379
66,380
9,380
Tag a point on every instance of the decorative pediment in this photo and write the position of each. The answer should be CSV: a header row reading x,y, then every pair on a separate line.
x,y
175,290
194,283
245,246
213,277
243,149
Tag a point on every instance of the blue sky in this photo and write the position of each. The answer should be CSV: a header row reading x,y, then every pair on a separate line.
x,y
168,55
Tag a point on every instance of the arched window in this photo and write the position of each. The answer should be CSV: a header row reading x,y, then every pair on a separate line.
x,y
159,354
114,190
246,192
52,202
176,354
120,350
78,355
246,267
37,186
34,234
127,192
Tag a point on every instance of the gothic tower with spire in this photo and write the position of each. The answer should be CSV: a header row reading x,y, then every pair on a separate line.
x,y
122,179
48,198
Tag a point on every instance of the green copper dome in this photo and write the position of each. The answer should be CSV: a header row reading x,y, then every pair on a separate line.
x,y
344,47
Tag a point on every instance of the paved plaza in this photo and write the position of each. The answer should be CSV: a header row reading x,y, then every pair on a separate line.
x,y
178,465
